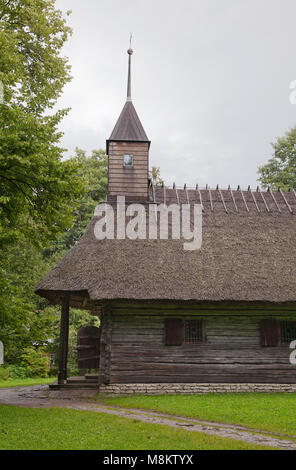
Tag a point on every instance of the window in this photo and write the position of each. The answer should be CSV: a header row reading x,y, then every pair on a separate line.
x,y
275,332
288,331
178,332
193,331
128,160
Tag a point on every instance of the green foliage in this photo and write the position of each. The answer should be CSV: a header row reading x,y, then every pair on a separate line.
x,y
35,362
37,189
93,172
17,372
280,171
25,319
4,373
45,201
32,70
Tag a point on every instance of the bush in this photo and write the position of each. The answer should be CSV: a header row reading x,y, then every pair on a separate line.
x,y
35,362
17,372
53,372
4,373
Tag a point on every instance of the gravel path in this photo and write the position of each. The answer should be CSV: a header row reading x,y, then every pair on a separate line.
x,y
41,396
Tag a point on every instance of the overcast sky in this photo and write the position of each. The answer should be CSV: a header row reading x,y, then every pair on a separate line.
x,y
210,81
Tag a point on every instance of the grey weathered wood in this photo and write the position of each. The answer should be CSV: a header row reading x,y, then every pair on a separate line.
x,y
231,352
129,182
105,345
64,338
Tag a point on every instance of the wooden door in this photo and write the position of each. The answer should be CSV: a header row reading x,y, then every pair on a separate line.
x,y
88,347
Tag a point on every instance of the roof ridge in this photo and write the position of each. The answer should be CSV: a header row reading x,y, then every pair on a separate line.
x,y
229,199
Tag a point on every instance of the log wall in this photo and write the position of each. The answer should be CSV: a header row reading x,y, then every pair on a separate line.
x,y
231,352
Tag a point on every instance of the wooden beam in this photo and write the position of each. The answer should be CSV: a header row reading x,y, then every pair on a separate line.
x,y
243,198
64,337
105,345
222,199
286,202
233,198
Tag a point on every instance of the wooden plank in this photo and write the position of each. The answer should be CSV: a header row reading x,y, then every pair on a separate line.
x,y
119,166
128,147
129,187
155,308
128,174
137,158
128,179
126,193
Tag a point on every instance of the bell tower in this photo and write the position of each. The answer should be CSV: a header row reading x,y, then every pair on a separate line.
x,y
128,153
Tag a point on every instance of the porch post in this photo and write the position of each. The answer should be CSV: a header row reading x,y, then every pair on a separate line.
x,y
105,348
64,336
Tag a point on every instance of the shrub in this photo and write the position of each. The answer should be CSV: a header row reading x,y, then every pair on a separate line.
x,y
53,372
4,373
17,372
35,361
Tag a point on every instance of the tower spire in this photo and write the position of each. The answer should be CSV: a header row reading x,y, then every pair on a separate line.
x,y
129,51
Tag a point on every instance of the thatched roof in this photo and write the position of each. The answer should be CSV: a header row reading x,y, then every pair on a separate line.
x,y
248,254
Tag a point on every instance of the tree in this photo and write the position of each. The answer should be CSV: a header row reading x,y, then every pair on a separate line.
x,y
155,176
37,189
26,320
93,172
280,170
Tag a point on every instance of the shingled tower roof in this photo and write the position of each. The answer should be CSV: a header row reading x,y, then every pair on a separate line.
x,y
128,127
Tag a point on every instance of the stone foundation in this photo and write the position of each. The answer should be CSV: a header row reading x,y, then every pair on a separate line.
x,y
189,388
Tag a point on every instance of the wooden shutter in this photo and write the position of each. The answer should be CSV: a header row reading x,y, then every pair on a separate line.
x,y
269,332
173,332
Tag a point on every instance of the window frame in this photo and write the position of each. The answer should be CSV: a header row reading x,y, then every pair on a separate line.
x,y
201,328
182,331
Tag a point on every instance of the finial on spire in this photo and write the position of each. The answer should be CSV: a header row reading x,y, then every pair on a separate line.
x,y
129,51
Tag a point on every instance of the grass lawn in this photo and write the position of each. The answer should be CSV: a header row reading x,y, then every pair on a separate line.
x,y
60,428
24,382
270,412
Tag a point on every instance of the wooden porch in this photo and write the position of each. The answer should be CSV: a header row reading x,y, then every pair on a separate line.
x,y
90,347
88,381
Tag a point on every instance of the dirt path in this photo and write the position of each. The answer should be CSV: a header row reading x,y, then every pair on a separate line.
x,y
41,397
